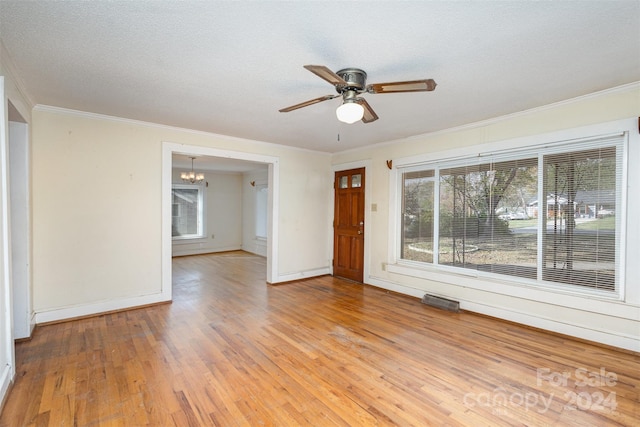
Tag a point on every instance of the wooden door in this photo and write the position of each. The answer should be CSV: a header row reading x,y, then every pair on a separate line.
x,y
348,225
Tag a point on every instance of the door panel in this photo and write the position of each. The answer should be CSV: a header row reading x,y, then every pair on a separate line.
x,y
348,246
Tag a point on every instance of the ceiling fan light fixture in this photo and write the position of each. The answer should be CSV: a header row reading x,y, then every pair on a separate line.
x,y
350,112
351,82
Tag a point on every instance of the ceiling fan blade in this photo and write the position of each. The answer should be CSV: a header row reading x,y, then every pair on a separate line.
x,y
369,114
306,103
326,74
408,86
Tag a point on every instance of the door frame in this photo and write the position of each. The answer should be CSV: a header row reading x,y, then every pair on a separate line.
x,y
7,346
20,225
366,164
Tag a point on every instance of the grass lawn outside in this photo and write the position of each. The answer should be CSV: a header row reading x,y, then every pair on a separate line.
x,y
585,259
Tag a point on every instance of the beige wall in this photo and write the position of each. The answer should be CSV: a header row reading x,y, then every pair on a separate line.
x,y
97,209
616,323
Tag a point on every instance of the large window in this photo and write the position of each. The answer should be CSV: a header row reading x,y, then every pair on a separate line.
x,y
548,215
187,205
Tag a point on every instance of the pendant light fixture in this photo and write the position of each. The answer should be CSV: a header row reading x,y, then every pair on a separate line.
x,y
350,111
192,177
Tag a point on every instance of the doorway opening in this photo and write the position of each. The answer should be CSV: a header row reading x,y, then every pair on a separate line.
x,y
256,169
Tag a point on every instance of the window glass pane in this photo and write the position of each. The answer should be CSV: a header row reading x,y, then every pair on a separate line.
x,y
417,218
344,182
262,192
486,220
186,212
356,180
580,216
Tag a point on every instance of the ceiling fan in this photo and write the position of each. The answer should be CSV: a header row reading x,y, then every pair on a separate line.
x,y
351,82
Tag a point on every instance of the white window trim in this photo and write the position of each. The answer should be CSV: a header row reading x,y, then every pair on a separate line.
x,y
260,186
508,285
202,193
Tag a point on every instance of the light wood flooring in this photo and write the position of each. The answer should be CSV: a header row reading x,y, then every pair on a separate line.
x,y
233,351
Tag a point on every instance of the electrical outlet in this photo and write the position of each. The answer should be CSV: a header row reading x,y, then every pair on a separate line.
x,y
213,236
384,266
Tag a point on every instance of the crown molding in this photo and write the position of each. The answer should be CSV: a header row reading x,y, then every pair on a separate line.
x,y
97,116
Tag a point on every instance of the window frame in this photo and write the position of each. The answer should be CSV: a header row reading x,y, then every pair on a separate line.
x,y
202,208
261,199
535,146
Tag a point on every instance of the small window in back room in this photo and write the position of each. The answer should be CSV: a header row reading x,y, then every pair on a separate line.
x,y
261,210
187,211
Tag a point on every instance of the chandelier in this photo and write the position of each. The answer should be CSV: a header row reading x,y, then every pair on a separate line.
x,y
192,177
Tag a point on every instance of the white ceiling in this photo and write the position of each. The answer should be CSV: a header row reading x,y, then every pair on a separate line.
x,y
228,67
217,164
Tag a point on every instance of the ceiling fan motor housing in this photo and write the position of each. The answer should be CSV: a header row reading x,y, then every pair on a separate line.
x,y
355,78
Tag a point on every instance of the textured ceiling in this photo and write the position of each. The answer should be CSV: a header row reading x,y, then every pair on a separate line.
x,y
228,67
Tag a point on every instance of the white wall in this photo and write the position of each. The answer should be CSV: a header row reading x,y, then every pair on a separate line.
x,y
250,242
223,215
610,322
97,204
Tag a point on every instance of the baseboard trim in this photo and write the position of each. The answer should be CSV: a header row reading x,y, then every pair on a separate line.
x,y
87,310
290,277
6,380
596,336
608,338
176,251
296,280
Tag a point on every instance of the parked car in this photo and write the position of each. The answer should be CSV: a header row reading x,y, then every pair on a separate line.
x,y
513,215
603,213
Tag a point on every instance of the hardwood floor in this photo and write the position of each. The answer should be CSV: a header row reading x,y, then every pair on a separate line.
x,y
233,351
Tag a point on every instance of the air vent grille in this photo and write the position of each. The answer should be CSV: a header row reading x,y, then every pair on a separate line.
x,y
442,303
